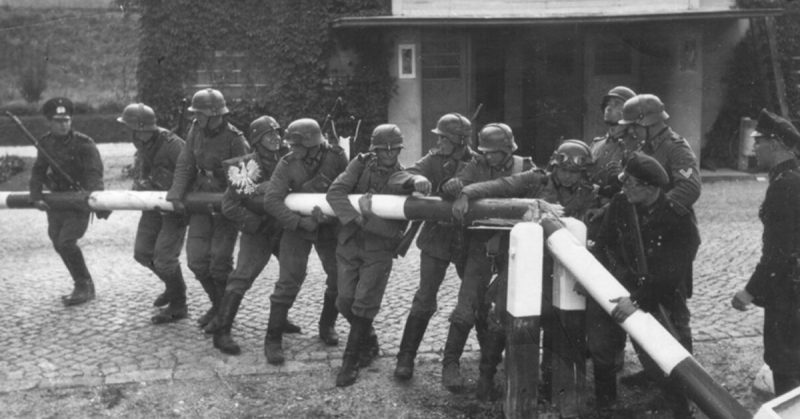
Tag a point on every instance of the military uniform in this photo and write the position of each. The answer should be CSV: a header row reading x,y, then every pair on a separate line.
x,y
670,241
260,233
609,153
76,155
160,236
212,237
364,253
775,284
680,162
310,174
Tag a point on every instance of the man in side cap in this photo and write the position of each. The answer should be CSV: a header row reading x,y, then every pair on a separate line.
x,y
75,155
774,284
654,273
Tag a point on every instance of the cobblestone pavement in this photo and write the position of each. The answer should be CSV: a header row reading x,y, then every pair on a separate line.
x,y
110,340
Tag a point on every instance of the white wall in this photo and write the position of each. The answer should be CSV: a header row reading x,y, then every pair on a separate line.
x,y
405,105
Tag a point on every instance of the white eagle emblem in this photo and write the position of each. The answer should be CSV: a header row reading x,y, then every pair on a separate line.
x,y
244,176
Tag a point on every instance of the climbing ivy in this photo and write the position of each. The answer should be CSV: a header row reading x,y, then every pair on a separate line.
x,y
290,41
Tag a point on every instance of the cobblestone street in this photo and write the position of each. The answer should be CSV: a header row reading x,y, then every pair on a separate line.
x,y
110,340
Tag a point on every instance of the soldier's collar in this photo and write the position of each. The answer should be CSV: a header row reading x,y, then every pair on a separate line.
x,y
782,168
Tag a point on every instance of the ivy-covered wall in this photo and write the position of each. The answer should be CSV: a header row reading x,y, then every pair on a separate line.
x,y
289,40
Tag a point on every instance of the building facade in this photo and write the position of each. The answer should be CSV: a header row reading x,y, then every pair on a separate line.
x,y
542,66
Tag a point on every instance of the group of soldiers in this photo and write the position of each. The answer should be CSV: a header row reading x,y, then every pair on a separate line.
x,y
634,187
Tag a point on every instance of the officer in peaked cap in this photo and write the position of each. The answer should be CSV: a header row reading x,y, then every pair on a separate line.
x,y
73,165
771,125
773,283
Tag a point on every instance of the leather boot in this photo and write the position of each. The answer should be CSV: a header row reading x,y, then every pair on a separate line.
x,y
327,322
273,341
175,295
409,344
291,328
83,292
453,348
369,349
227,312
491,354
174,287
605,389
211,290
359,328
161,300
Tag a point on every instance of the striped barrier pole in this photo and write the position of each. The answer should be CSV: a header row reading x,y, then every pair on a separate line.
x,y
569,335
668,354
524,299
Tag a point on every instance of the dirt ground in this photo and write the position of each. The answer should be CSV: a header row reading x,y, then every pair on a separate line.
x,y
310,392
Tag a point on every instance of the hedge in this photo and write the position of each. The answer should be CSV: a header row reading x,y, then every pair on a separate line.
x,y
103,128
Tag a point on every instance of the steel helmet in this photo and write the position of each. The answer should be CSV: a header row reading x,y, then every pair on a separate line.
x,y
620,92
209,102
453,124
496,137
138,117
644,110
571,155
386,136
304,131
260,126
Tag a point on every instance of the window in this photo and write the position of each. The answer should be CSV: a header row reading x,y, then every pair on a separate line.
x,y
441,59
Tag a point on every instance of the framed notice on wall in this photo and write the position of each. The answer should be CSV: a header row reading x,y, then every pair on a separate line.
x,y
406,61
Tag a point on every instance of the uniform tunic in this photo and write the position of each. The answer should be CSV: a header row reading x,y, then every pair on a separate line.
x,y
440,243
76,155
364,253
261,234
212,237
775,283
312,173
159,236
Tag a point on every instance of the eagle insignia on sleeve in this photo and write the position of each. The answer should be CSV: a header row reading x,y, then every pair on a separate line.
x,y
244,176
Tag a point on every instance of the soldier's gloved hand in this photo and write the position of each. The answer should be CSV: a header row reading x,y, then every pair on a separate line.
x,y
41,205
422,185
624,308
103,214
365,204
307,224
452,187
741,300
320,217
178,207
460,208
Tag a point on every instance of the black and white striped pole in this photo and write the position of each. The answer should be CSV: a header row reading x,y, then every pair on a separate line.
x,y
672,358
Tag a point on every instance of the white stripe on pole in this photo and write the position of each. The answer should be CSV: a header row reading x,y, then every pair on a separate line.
x,y
4,199
384,206
525,270
602,286
564,295
133,200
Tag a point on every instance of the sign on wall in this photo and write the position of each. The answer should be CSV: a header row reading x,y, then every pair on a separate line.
x,y
406,61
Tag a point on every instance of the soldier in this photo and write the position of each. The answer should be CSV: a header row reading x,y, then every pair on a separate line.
x,y
649,248
484,248
566,184
612,149
160,235
212,237
310,167
774,284
440,243
366,246
74,156
260,236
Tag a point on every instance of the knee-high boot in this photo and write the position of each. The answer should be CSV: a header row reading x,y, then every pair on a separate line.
x,y
227,313
327,321
359,328
409,344
273,341
491,354
453,348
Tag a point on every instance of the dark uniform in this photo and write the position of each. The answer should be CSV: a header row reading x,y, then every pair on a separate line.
x,y
212,237
670,241
680,162
775,284
77,155
160,235
609,153
310,174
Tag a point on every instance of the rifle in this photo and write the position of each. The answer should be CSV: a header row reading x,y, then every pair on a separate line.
x,y
56,168
641,267
413,229
329,116
179,130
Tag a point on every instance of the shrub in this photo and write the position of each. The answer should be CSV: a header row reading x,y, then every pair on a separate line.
x,y
10,166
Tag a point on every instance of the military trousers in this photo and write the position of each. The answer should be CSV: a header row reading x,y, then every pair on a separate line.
x,y
362,278
294,250
432,271
64,229
471,304
782,341
209,246
255,250
158,243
